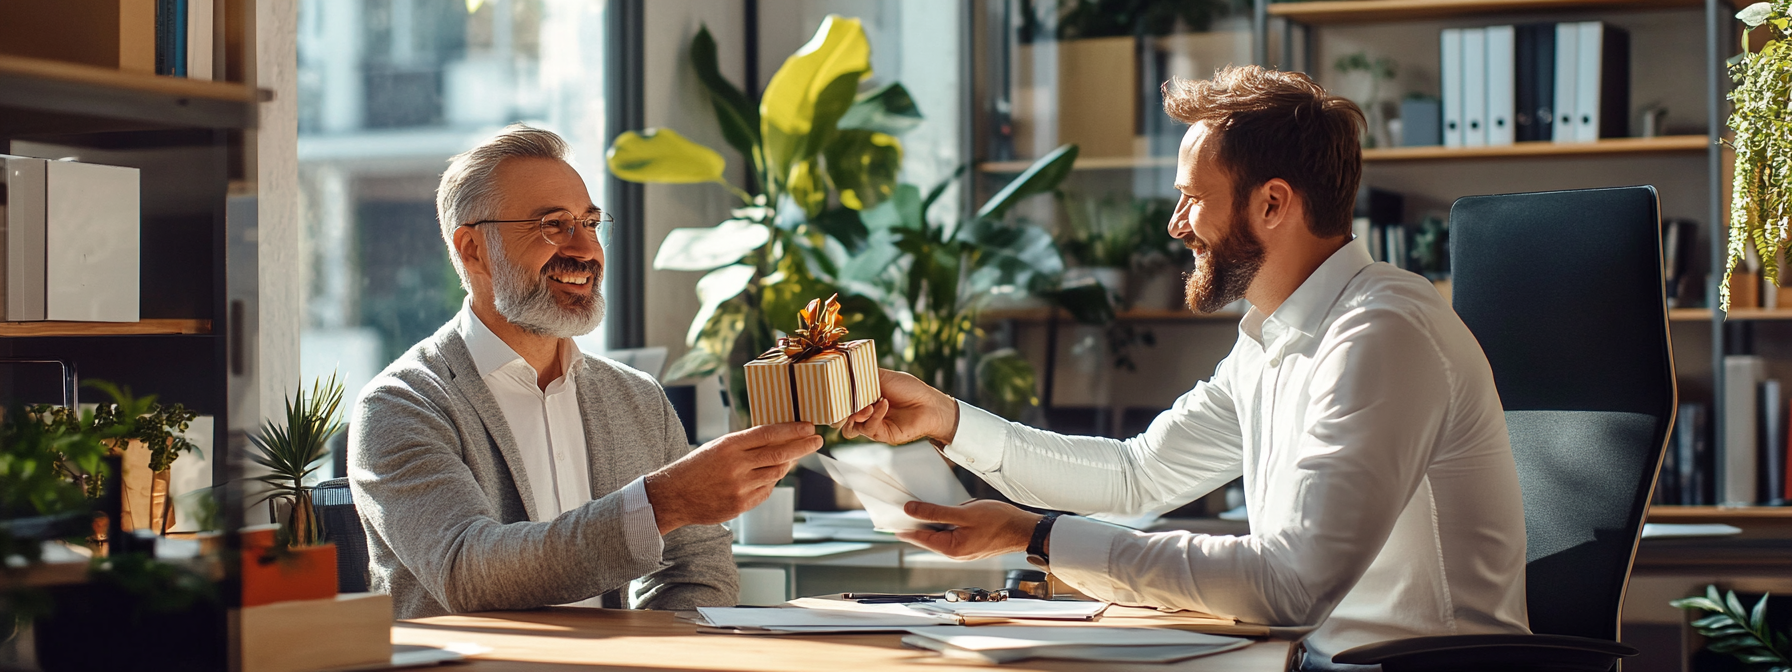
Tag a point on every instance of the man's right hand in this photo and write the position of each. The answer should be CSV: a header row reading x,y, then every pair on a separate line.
x,y
909,411
724,478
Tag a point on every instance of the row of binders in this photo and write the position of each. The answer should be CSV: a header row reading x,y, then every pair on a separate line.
x,y
1753,468
185,44
1561,82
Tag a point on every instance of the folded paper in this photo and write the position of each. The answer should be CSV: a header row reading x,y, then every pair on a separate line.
x,y
812,376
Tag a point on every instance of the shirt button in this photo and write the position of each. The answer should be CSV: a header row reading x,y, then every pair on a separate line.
x,y
1275,361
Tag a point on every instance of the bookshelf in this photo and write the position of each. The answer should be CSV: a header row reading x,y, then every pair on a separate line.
x,y
1659,145
1366,11
188,139
1719,514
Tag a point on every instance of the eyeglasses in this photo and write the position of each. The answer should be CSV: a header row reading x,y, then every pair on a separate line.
x,y
556,227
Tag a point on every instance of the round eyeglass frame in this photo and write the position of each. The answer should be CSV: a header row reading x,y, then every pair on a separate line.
x,y
600,231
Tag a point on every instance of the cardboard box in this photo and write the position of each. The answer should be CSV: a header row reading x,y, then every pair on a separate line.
x,y
347,630
827,387
72,241
117,34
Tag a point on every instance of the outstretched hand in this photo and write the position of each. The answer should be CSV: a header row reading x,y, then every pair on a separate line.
x,y
727,476
909,411
985,528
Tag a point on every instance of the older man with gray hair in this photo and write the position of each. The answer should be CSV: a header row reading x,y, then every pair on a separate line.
x,y
495,466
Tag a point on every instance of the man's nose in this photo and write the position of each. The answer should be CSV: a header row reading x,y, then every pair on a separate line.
x,y
1179,227
581,246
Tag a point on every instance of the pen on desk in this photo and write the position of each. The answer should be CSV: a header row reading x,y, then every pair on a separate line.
x,y
897,599
871,596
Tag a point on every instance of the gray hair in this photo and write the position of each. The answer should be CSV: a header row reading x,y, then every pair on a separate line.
x,y
468,194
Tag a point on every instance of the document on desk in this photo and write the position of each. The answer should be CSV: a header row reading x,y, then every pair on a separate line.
x,y
1051,610
1005,643
810,615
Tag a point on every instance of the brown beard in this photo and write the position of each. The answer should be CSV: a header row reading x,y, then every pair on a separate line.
x,y
1226,269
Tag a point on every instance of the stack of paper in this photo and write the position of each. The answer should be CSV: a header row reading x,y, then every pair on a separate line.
x,y
1001,644
1060,610
812,615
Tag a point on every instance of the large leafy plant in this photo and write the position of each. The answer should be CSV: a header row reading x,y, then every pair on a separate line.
x,y
1739,632
292,451
1760,200
934,277
820,151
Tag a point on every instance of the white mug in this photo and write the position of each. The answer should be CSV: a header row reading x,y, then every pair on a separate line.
x,y
770,522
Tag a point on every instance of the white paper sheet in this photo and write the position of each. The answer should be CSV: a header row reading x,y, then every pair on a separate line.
x,y
814,550
1676,530
1000,644
821,615
878,492
1040,609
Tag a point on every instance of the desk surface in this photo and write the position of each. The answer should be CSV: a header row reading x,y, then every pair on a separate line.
x,y
568,638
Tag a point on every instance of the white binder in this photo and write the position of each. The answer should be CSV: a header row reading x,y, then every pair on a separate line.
x,y
1502,126
1587,81
1450,71
1567,92
1742,375
1474,87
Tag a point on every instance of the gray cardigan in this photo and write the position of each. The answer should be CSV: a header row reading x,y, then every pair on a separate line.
x,y
437,480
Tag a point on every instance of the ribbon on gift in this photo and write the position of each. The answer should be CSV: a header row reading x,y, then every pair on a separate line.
x,y
818,332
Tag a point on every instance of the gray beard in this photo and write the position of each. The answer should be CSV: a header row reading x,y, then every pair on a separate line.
x,y
525,300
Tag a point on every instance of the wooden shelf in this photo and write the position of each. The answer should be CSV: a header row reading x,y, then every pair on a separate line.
x,y
139,328
1134,315
1660,145
1365,11
1718,514
44,96
1672,143
1704,314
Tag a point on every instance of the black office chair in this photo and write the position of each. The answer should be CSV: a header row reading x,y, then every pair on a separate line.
x,y
342,526
1564,292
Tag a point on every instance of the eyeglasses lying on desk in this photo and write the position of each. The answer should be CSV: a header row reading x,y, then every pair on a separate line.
x,y
953,595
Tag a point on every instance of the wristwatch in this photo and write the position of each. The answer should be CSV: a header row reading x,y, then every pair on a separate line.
x,y
1042,531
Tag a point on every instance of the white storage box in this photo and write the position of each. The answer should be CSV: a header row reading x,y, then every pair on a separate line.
x,y
71,240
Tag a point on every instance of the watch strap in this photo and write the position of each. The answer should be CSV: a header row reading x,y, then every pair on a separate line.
x,y
1042,531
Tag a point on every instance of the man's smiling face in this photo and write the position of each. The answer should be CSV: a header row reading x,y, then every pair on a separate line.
x,y
1210,220
537,285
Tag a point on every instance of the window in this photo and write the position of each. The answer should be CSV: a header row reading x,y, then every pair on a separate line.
x,y
388,91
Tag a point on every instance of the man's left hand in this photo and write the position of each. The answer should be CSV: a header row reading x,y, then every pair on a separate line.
x,y
985,528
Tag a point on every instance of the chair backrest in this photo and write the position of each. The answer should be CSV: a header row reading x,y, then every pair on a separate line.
x,y
1564,291
335,506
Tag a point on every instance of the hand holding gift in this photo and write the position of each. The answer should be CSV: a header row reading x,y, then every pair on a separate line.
x,y
812,376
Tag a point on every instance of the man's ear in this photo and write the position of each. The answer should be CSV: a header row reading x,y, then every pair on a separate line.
x,y
1274,200
471,247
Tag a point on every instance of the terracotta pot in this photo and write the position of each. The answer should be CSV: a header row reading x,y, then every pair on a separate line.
x,y
271,575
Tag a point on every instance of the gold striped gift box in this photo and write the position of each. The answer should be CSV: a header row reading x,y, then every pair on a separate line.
x,y
826,389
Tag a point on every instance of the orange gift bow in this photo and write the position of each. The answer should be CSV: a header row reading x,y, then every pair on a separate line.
x,y
818,331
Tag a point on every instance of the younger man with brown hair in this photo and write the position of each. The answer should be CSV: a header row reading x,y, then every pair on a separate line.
x,y
1383,497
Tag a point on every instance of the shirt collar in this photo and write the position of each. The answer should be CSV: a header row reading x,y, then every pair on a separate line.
x,y
1304,311
491,353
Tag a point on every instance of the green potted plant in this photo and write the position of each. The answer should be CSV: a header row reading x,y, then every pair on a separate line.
x,y
821,153
934,278
1761,113
1743,633
148,437
293,562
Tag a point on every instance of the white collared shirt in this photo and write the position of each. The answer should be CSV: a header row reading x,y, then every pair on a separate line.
x,y
550,434
1382,493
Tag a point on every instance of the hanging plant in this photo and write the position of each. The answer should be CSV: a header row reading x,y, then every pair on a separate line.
x,y
1761,116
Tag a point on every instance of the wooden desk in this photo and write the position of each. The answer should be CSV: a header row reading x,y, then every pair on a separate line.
x,y
569,638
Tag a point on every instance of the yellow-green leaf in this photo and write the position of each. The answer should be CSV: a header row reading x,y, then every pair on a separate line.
x,y
863,165
787,110
807,187
662,155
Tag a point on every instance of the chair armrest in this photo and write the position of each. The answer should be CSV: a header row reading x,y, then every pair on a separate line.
x,y
1488,652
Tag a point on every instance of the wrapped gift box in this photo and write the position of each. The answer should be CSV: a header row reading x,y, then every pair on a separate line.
x,y
822,389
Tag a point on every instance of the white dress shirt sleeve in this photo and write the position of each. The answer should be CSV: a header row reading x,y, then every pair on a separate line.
x,y
639,528
1086,474
1375,413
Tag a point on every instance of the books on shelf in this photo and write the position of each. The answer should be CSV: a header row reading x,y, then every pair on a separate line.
x,y
1743,375
1770,419
1566,82
186,43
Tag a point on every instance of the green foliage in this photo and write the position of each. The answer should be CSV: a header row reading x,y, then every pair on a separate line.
x,y
1114,231
291,452
1761,118
1738,632
821,154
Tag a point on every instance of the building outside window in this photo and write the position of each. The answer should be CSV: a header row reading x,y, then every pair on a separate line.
x,y
388,91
